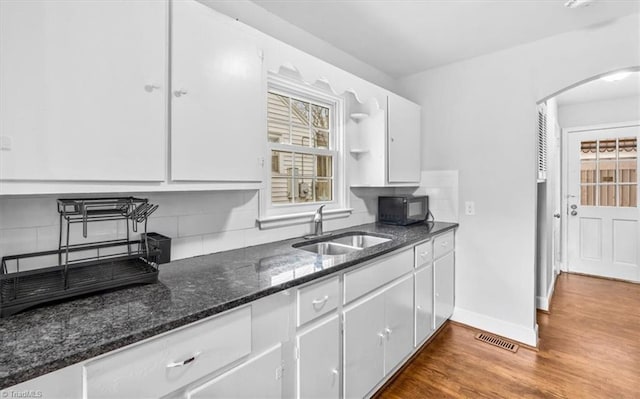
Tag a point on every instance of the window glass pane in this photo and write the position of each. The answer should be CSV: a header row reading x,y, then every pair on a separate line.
x,y
324,190
629,195
300,135
320,116
304,190
281,190
278,118
607,195
299,112
588,165
607,154
587,171
281,163
588,195
321,138
305,165
627,164
324,168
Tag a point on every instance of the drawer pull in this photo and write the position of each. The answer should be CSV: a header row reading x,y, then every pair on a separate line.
x,y
424,254
419,307
184,362
444,244
322,301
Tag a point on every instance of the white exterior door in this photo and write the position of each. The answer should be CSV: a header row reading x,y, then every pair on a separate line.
x,y
603,230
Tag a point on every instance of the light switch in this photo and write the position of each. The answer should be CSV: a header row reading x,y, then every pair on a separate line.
x,y
5,143
469,208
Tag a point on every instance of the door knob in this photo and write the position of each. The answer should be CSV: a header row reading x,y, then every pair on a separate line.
x,y
574,213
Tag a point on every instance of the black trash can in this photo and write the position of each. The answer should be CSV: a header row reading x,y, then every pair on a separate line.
x,y
159,242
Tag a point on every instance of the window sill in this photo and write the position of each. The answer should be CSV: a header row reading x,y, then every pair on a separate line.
x,y
301,218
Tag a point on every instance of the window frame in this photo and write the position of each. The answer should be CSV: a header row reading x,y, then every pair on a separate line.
x,y
272,215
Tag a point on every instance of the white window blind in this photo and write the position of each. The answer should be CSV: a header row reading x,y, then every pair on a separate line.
x,y
542,142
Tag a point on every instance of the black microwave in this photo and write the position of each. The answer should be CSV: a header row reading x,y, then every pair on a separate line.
x,y
403,209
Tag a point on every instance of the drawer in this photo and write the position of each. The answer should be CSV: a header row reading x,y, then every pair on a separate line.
x,y
317,299
443,244
423,253
368,278
161,365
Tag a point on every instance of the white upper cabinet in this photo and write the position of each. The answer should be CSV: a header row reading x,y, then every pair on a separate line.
x,y
218,98
83,90
383,141
403,137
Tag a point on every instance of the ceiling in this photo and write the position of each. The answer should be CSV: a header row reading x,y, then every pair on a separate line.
x,y
403,37
599,90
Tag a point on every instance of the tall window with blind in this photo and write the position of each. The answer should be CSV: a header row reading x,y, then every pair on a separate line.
x,y
303,152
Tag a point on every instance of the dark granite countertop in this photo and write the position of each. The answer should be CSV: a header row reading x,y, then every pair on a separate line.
x,y
48,338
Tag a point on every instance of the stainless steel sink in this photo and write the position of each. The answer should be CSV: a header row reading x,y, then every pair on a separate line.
x,y
343,244
360,240
328,248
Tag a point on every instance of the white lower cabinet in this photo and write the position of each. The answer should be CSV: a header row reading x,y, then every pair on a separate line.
x,y
171,361
444,288
318,368
260,377
424,304
377,337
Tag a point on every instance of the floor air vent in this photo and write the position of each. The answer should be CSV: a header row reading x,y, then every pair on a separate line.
x,y
497,341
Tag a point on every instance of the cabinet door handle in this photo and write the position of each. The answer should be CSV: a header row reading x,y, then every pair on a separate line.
x,y
381,335
180,93
419,307
151,87
321,301
335,374
184,362
388,331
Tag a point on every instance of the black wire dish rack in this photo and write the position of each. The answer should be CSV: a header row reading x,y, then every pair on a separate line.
x,y
78,269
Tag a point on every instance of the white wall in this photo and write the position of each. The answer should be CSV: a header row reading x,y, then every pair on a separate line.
x,y
624,109
479,117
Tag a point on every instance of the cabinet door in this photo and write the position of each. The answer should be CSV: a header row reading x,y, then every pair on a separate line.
x,y
398,309
83,90
424,303
319,360
258,378
218,116
444,288
364,346
403,140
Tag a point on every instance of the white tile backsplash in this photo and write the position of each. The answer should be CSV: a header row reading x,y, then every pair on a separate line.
x,y
198,222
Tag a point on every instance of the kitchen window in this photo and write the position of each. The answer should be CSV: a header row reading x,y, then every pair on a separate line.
x,y
304,144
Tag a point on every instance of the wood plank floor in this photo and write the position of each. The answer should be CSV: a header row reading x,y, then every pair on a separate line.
x,y
589,347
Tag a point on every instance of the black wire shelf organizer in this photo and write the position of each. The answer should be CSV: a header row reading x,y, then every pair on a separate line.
x,y
82,268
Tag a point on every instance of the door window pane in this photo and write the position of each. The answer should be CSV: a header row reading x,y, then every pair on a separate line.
x,y
628,195
607,195
588,195
607,155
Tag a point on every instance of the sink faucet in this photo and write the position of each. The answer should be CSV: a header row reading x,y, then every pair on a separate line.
x,y
317,220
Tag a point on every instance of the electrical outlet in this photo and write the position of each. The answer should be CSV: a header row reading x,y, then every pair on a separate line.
x,y
469,208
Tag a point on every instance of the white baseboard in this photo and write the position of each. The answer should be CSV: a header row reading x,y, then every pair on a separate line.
x,y
527,336
543,302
